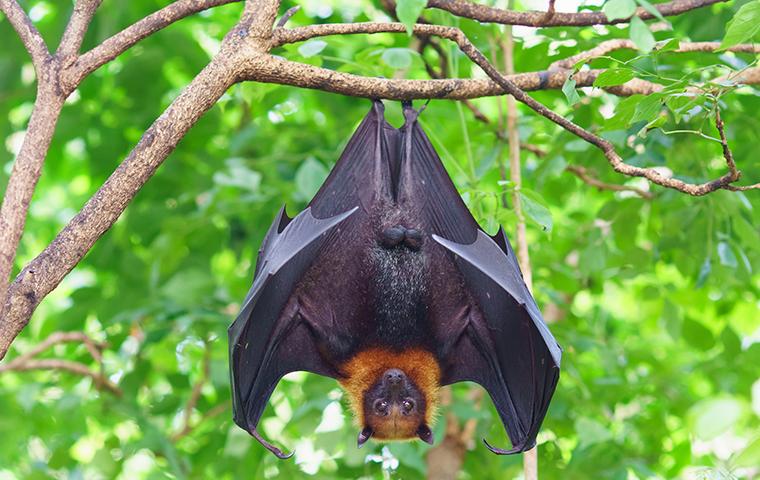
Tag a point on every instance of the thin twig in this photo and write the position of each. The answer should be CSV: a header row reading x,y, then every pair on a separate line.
x,y
590,179
27,361
195,395
101,382
608,46
286,16
486,14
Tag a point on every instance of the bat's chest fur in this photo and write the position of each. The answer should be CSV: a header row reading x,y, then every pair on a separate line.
x,y
398,291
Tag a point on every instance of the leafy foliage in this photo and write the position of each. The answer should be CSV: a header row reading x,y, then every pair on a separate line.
x,y
655,302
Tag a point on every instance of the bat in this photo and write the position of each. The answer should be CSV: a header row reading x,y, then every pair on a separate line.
x,y
386,283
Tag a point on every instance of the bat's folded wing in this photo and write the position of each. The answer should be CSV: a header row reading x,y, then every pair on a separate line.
x,y
267,340
506,347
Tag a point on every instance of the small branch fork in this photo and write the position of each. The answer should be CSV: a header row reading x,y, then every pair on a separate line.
x,y
29,361
245,55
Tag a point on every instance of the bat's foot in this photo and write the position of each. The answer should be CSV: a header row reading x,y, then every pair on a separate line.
x,y
400,236
277,452
501,451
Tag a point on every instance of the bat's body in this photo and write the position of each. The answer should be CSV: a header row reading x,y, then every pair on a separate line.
x,y
387,284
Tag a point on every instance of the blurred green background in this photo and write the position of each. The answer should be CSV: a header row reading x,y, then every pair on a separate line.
x,y
655,302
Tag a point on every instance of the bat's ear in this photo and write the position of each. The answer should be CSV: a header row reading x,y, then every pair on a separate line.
x,y
364,436
425,434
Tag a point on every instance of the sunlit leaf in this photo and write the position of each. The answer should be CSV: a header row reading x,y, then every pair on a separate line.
x,y
408,11
641,35
744,26
618,9
397,58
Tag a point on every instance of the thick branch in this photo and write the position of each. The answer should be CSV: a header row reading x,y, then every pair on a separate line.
x,y
27,32
24,176
77,27
46,271
486,14
122,41
333,78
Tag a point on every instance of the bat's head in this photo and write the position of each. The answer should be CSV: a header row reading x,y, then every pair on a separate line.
x,y
394,409
394,395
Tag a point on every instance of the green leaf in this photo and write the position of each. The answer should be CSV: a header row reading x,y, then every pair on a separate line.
x,y
536,211
624,112
641,35
669,45
744,26
697,335
408,11
569,90
648,108
617,9
591,432
398,58
726,256
650,8
311,48
714,416
613,76
309,178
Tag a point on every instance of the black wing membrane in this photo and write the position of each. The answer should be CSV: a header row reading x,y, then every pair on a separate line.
x,y
362,173
270,338
267,341
505,346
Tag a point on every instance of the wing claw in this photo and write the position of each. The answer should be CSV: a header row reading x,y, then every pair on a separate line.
x,y
277,452
499,451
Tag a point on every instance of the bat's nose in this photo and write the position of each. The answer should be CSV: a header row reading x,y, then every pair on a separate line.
x,y
394,377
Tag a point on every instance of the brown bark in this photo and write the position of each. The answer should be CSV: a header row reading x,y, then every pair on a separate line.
x,y
486,14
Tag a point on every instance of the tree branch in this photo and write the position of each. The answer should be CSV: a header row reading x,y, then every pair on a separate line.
x,y
80,19
621,43
101,382
27,32
27,361
282,36
122,41
486,14
46,271
590,179
26,171
195,395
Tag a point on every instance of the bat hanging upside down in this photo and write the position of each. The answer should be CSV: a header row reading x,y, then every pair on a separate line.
x,y
387,284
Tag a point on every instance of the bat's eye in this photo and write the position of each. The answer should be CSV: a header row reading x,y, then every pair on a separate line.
x,y
407,405
381,407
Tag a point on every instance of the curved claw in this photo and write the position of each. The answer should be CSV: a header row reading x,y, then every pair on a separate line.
x,y
499,451
278,453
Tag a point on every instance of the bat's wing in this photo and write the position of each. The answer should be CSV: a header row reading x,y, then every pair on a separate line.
x,y
305,275
487,322
425,185
362,174
505,346
268,338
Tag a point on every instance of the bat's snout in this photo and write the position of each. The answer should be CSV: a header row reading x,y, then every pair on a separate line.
x,y
394,378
